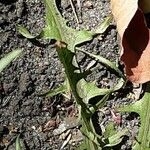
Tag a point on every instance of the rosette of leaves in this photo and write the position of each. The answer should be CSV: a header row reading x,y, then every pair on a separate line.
x,y
67,39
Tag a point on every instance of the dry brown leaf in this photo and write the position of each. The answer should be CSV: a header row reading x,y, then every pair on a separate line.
x,y
135,39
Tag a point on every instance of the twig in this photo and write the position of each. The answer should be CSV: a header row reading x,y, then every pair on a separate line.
x,y
79,4
74,11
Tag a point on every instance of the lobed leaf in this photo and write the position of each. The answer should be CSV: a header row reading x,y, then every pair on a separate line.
x,y
88,90
67,38
115,139
104,61
142,107
57,29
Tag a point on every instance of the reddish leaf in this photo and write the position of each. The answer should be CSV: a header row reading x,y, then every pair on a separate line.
x,y
135,38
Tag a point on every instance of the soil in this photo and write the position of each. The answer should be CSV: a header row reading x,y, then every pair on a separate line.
x,y
35,118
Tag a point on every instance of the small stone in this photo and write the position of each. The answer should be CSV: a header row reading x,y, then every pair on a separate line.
x,y
88,4
8,87
62,127
33,127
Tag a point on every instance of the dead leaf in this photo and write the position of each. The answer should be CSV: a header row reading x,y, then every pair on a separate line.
x,y
135,38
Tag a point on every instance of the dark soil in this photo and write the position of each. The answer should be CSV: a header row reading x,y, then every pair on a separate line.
x,y
22,110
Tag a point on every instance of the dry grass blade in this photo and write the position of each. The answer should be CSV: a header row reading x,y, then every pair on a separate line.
x,y
74,11
79,4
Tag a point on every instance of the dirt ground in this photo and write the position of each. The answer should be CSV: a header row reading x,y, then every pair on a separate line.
x,y
37,119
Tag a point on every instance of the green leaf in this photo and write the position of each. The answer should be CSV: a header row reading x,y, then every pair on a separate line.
x,y
112,137
103,61
86,145
104,25
4,62
88,90
61,89
18,144
82,146
142,107
116,138
57,29
91,140
66,57
75,77
100,103
109,130
25,32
